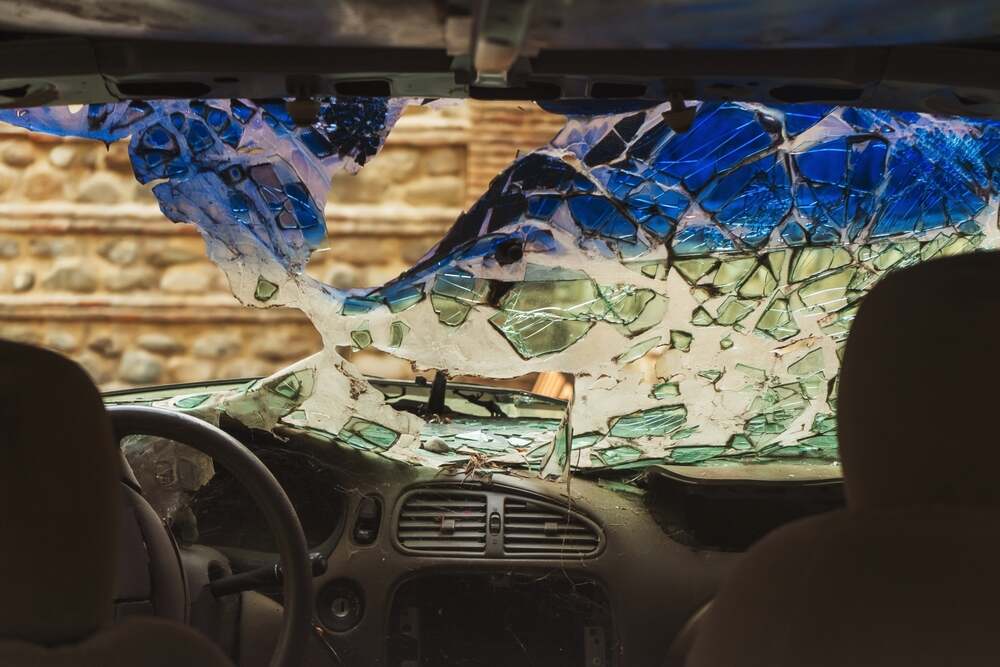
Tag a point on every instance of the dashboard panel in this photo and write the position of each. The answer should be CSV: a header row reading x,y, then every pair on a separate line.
x,y
431,568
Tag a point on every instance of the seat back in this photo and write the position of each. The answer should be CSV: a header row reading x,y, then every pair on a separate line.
x,y
60,516
905,575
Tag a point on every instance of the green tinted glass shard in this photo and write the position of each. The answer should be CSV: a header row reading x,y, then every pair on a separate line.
x,y
808,364
586,440
866,253
449,311
356,305
694,269
399,300
957,246
694,454
711,374
638,350
777,321
732,311
361,338
771,422
559,300
755,374
862,281
297,386
824,423
624,303
539,272
701,294
656,270
397,332
265,289
732,272
726,343
739,442
365,434
615,455
534,335
680,340
701,317
651,422
889,257
776,262
810,262
684,433
814,386
665,390
933,247
192,401
758,284
652,314
822,446
828,293
461,286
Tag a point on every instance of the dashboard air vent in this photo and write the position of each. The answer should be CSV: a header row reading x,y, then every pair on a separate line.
x,y
542,530
443,523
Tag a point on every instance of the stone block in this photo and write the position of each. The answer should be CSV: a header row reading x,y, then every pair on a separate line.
x,y
140,367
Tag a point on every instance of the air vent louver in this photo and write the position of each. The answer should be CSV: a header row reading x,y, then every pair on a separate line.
x,y
542,530
444,523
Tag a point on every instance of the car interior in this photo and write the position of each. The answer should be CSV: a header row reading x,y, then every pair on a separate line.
x,y
139,532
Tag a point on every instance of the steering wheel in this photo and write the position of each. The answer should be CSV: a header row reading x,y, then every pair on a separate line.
x,y
266,492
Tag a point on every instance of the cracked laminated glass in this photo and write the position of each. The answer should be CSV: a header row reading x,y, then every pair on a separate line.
x,y
698,285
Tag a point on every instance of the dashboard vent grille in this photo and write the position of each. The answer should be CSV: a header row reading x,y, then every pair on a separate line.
x,y
448,523
543,530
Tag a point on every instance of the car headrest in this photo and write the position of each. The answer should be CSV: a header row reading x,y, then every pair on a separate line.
x,y
918,393
59,499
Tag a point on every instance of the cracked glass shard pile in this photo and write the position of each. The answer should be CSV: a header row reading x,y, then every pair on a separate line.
x,y
698,285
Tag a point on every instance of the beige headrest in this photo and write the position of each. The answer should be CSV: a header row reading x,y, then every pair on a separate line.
x,y
59,499
919,405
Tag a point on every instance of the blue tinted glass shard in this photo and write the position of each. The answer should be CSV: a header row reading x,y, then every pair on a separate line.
x,y
800,117
598,215
751,200
647,143
702,239
793,234
621,182
605,150
241,112
541,172
134,112
582,184
721,136
542,207
199,139
658,225
317,144
239,206
628,126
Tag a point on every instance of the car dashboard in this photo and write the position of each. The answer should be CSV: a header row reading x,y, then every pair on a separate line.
x,y
460,566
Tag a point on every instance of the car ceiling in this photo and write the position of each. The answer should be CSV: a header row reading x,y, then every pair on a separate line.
x,y
919,55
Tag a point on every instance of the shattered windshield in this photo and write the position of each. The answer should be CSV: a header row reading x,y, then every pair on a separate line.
x,y
697,285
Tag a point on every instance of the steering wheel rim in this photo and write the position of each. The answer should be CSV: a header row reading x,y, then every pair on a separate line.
x,y
267,494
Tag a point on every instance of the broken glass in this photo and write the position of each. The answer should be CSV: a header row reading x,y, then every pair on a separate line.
x,y
698,285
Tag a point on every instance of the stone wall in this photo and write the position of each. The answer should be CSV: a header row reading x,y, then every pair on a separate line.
x,y
90,267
